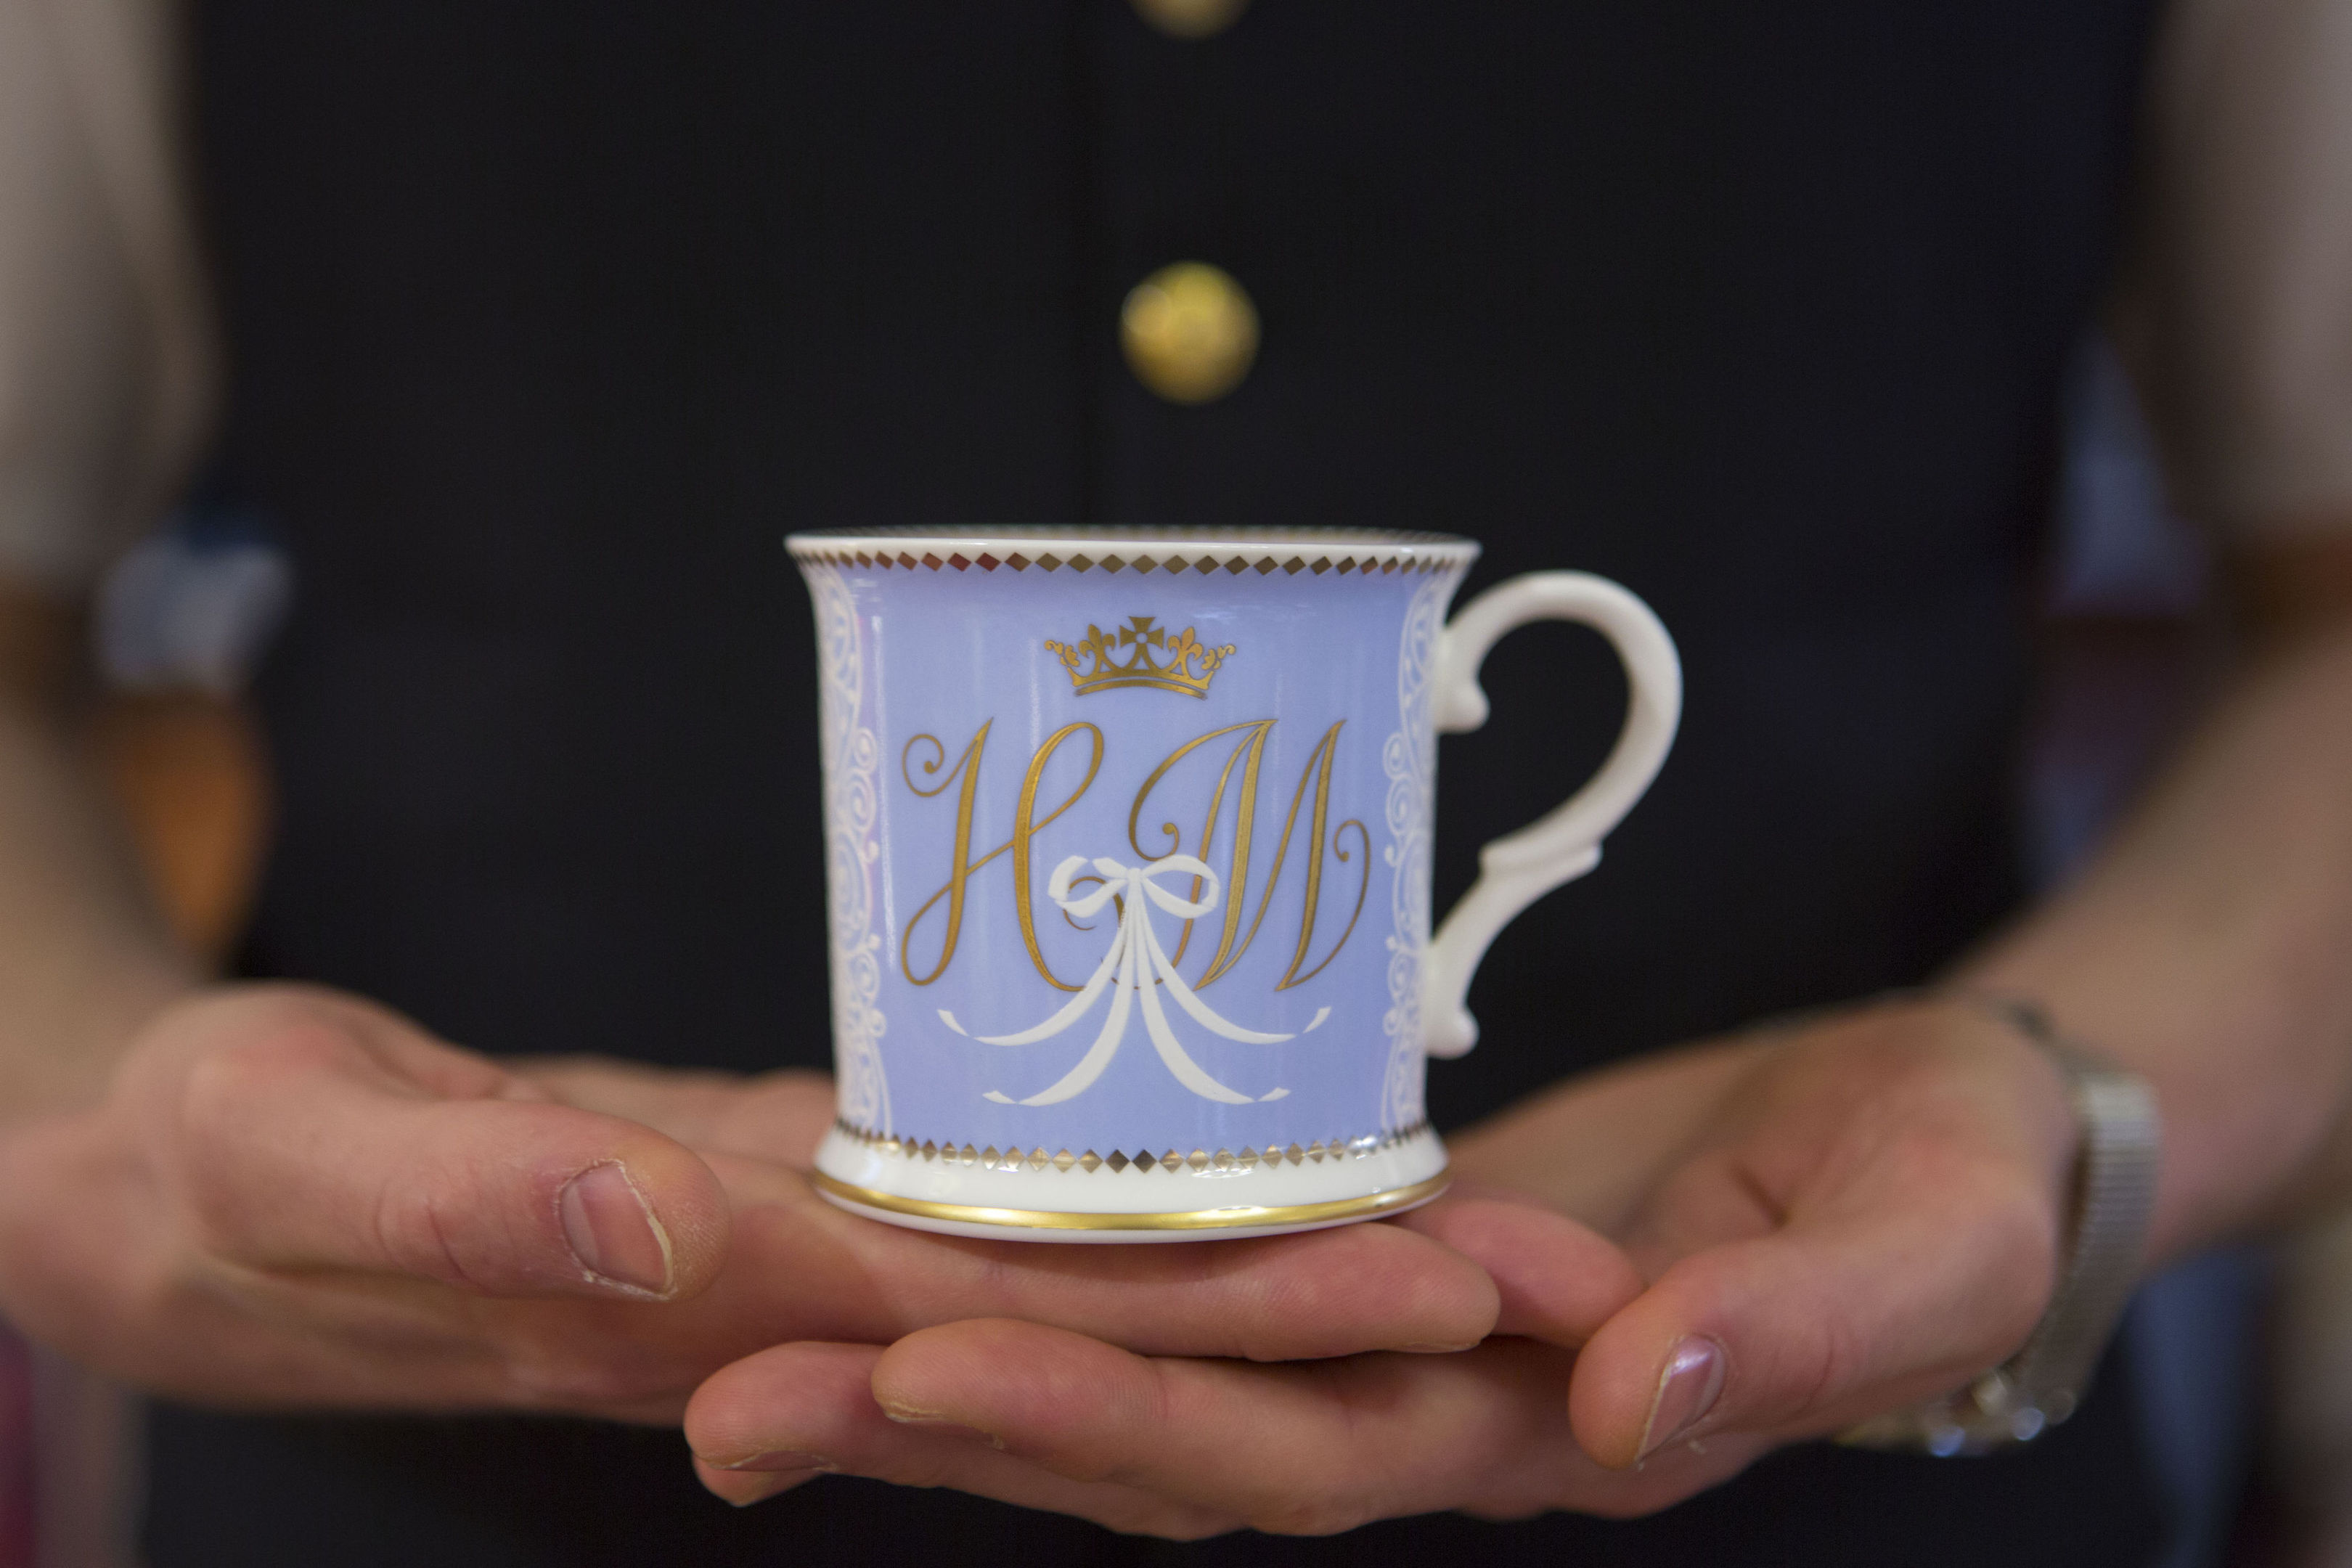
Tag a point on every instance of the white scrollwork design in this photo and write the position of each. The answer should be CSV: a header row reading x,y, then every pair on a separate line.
x,y
1136,966
852,758
1410,759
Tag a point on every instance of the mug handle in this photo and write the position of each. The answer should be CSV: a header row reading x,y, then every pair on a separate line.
x,y
1516,869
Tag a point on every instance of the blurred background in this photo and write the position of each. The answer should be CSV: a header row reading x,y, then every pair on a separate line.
x,y
2245,1358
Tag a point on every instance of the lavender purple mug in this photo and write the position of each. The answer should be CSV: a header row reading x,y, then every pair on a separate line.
x,y
1128,841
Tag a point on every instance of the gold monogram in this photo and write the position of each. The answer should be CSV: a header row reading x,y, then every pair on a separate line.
x,y
1024,828
1141,633
1246,756
1248,753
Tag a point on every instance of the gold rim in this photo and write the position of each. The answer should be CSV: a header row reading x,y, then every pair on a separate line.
x,y
1085,536
1341,553
1237,1217
1233,560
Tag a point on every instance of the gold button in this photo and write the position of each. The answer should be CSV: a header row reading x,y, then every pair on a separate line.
x,y
1190,332
1190,18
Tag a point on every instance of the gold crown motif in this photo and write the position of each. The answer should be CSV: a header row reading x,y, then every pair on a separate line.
x,y
1141,633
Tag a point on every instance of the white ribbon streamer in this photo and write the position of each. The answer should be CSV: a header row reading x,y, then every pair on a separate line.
x,y
1136,966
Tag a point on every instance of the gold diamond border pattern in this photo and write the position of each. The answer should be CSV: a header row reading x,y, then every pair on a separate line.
x,y
1370,564
1199,1162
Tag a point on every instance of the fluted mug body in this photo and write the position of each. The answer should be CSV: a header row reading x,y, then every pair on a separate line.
x,y
1127,858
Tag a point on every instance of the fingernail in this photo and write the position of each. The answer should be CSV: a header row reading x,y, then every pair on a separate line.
x,y
932,1421
1687,1390
1440,1350
743,1487
777,1460
613,1231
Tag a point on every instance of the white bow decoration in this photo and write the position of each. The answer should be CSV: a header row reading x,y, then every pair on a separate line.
x,y
1129,970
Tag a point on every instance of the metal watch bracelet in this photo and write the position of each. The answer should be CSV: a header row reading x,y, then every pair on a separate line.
x,y
2114,1194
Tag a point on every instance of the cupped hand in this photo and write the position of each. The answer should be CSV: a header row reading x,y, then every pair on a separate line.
x,y
292,1197
1830,1221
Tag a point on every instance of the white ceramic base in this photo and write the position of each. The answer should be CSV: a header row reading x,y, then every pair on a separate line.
x,y
945,1196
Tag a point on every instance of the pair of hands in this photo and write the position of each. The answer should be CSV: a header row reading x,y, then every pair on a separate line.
x,y
290,1197
1695,1259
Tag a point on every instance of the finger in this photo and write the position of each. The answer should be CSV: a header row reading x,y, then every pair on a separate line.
x,y
1326,1294
779,1117
1291,1449
752,1482
1322,1293
1835,1317
774,1420
1556,1280
1628,1123
1318,1294
302,1139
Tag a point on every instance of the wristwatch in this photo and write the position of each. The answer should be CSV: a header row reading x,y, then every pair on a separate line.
x,y
2114,1194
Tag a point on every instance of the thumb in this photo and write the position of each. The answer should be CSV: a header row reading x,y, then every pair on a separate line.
x,y
1556,1280
1823,1322
309,1132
